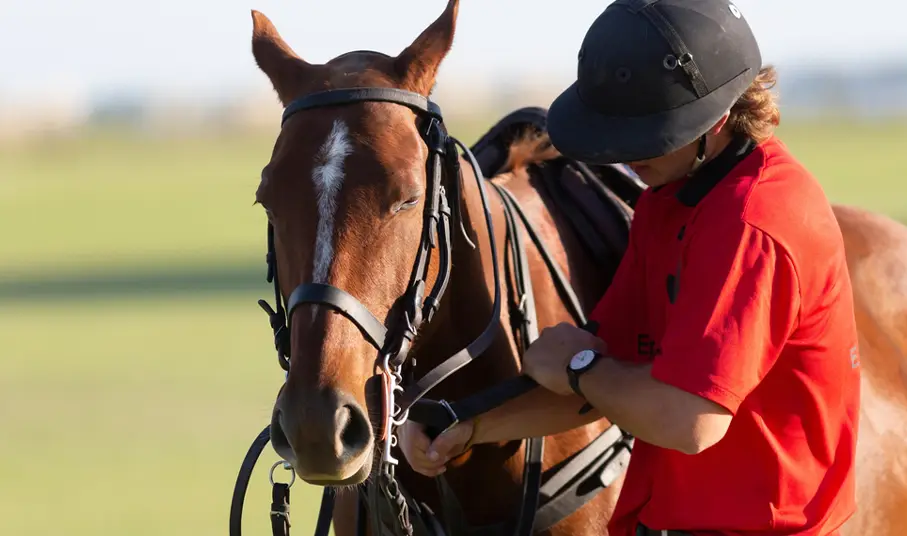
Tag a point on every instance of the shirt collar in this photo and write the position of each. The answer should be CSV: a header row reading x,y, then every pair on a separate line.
x,y
710,174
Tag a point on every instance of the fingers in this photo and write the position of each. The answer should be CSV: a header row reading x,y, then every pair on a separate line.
x,y
415,446
451,443
430,458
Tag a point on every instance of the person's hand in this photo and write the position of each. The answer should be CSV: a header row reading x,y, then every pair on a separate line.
x,y
546,359
429,457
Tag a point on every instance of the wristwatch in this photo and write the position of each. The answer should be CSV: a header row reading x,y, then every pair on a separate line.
x,y
579,364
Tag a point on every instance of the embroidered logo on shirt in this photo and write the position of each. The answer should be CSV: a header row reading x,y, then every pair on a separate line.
x,y
646,347
854,357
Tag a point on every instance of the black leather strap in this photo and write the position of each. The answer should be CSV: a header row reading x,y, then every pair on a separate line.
x,y
342,302
242,480
560,280
580,461
439,416
334,97
684,56
280,509
522,312
478,346
532,479
325,512
579,480
361,513
436,416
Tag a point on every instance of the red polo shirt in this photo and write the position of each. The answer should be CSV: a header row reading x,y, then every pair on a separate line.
x,y
735,285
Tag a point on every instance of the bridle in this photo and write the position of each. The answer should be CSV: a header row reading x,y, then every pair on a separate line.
x,y
442,210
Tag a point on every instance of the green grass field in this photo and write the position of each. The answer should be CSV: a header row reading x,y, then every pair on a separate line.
x,y
136,366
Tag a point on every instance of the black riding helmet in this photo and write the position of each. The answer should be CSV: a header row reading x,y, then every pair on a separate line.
x,y
652,77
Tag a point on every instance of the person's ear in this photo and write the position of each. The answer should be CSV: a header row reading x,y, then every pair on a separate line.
x,y
719,125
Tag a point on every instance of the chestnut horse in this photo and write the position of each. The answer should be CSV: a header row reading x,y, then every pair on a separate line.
x,y
346,193
343,193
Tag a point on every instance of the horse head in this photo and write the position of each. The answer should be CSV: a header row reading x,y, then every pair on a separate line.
x,y
344,194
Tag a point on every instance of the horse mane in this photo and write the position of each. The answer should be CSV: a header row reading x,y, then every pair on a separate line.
x,y
529,148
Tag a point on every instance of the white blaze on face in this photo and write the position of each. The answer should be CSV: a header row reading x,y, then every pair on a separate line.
x,y
328,178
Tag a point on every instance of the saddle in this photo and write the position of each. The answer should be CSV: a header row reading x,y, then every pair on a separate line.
x,y
492,148
601,221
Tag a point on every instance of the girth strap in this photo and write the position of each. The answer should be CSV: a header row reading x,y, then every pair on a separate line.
x,y
580,461
532,479
578,481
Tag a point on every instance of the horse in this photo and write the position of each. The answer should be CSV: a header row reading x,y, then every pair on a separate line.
x,y
362,183
876,251
342,193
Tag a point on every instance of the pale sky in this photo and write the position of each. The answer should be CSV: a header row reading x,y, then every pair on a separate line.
x,y
55,47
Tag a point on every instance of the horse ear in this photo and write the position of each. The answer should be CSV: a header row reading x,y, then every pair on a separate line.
x,y
276,59
419,62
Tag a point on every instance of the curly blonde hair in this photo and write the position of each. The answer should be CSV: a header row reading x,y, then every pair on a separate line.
x,y
756,112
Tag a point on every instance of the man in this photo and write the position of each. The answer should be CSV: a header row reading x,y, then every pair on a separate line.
x,y
728,345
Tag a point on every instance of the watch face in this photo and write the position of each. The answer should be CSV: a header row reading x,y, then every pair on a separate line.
x,y
582,359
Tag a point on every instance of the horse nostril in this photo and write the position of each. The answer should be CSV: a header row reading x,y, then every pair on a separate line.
x,y
279,438
354,429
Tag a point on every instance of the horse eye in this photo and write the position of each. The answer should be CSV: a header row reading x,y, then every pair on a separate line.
x,y
408,204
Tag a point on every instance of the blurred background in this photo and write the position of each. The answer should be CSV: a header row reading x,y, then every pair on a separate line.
x,y
136,367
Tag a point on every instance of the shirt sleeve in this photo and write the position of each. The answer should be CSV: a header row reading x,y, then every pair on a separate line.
x,y
620,311
736,305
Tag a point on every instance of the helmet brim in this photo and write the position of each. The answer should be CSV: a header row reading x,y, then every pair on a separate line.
x,y
582,133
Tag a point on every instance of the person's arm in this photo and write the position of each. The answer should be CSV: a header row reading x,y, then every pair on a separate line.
x,y
653,411
538,413
626,393
738,303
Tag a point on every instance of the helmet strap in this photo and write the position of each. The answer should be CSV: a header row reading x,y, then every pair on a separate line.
x,y
700,154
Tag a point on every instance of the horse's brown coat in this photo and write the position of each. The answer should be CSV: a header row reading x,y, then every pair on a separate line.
x,y
373,252
876,249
